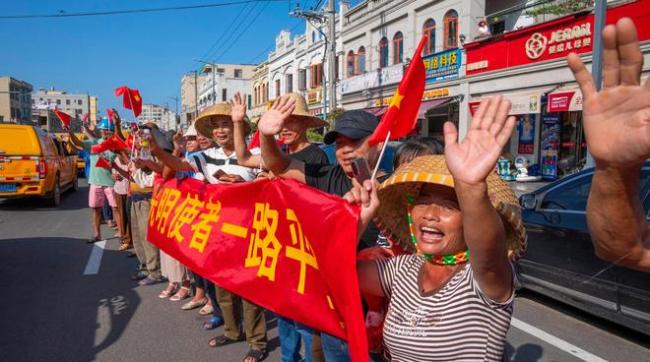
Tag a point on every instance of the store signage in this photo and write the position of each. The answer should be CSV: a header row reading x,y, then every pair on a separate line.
x,y
551,40
564,101
316,111
426,96
443,65
314,96
527,103
374,79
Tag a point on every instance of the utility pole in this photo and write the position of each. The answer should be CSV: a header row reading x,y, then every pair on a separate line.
x,y
196,97
331,16
597,56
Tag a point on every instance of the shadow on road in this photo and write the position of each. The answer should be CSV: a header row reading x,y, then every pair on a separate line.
x,y
50,311
68,202
528,352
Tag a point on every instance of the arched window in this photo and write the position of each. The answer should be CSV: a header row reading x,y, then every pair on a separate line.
x,y
429,32
398,48
350,64
451,29
383,52
361,60
313,36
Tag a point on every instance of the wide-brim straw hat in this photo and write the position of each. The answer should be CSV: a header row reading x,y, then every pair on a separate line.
x,y
207,120
302,112
408,180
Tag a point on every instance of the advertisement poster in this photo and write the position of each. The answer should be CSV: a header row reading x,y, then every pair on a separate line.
x,y
549,145
526,128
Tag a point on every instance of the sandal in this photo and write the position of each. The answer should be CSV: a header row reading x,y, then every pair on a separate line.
x,y
213,322
181,294
222,340
171,288
206,310
125,246
194,304
255,354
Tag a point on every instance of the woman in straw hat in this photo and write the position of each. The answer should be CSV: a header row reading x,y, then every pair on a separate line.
x,y
452,297
293,133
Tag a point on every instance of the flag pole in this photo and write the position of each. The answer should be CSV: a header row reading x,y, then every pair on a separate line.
x,y
381,155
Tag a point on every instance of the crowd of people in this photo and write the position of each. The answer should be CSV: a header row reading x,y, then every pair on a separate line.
x,y
437,238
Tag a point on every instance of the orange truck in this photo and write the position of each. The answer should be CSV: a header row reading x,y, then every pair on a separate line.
x,y
35,163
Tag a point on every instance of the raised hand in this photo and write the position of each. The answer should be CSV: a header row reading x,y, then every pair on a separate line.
x,y
178,140
238,104
472,160
616,119
272,120
366,197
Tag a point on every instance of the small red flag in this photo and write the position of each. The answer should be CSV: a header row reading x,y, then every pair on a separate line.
x,y
255,141
101,162
110,113
402,114
84,118
113,144
131,99
63,117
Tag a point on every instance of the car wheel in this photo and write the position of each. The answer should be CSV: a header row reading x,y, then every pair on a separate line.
x,y
55,197
75,184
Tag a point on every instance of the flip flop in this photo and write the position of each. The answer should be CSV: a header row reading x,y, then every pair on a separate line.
x,y
222,340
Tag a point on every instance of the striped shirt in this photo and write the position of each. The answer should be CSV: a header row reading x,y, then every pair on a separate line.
x,y
456,323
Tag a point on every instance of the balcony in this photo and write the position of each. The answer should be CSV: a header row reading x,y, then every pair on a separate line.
x,y
532,13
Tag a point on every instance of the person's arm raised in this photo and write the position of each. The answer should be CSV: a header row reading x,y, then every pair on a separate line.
x,y
470,162
118,125
169,160
269,125
244,157
616,122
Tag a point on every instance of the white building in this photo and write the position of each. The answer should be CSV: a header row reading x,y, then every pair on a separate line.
x,y
162,116
221,85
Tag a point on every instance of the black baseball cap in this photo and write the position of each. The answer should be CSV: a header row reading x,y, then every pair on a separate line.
x,y
356,124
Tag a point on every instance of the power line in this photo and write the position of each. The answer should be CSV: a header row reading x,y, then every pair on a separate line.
x,y
233,33
272,45
240,34
63,14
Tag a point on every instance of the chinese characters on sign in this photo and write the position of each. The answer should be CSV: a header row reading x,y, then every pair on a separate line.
x,y
563,40
443,65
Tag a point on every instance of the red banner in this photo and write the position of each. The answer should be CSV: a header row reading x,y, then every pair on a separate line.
x,y
280,244
550,40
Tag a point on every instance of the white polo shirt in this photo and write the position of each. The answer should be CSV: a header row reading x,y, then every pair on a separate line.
x,y
209,161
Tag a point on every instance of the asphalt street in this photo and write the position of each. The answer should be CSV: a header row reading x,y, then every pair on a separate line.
x,y
54,308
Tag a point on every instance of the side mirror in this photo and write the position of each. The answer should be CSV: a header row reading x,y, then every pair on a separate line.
x,y
528,201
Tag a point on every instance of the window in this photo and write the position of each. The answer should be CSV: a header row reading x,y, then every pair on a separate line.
x,y
570,196
451,29
224,94
289,83
221,70
361,60
79,102
277,88
429,32
302,79
383,52
249,102
398,48
67,102
58,102
265,92
313,36
350,64
238,73
316,75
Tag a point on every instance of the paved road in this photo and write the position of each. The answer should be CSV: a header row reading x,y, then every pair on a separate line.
x,y
50,311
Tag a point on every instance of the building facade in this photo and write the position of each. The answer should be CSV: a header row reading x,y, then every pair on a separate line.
x,y
15,100
162,116
190,85
222,81
259,91
76,105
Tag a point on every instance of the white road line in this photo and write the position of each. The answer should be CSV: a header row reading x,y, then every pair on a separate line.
x,y
554,341
95,259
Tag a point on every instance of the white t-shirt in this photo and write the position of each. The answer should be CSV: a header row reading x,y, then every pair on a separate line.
x,y
209,161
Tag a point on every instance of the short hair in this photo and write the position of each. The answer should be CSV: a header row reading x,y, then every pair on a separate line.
x,y
415,147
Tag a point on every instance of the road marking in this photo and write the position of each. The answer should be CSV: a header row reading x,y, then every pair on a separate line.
x,y
95,259
555,341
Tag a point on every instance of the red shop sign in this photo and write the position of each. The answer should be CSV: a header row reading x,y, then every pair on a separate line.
x,y
551,40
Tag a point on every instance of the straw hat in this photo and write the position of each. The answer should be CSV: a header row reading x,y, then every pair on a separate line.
x,y
207,120
302,112
408,180
191,131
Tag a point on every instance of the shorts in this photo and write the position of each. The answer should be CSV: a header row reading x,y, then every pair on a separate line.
x,y
98,194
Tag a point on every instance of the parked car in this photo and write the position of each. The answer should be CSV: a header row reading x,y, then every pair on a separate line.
x,y
560,261
35,163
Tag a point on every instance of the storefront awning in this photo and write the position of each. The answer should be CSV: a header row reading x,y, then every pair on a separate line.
x,y
424,107
564,100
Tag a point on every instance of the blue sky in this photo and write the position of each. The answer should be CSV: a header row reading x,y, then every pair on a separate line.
x,y
147,51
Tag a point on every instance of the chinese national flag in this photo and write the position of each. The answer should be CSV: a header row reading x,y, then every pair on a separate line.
x,y
101,162
113,144
402,113
130,99
84,118
280,244
63,117
255,141
109,111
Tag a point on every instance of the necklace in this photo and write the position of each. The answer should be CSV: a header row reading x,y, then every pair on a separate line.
x,y
451,259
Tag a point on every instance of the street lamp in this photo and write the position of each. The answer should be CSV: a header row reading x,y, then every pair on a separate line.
x,y
212,70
